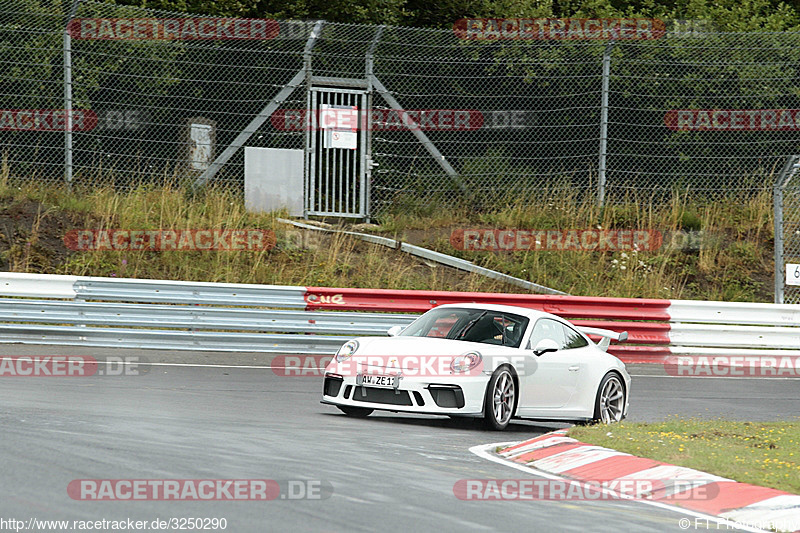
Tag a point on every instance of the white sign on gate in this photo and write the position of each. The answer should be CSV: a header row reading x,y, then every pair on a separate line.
x,y
341,139
792,274
340,124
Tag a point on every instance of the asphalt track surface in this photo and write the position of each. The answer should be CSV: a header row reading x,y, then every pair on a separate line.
x,y
388,472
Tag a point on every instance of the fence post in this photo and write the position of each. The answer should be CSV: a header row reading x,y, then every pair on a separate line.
x,y
309,158
777,204
601,165
366,161
789,170
209,173
68,95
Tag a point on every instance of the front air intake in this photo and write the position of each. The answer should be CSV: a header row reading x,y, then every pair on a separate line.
x,y
447,396
332,385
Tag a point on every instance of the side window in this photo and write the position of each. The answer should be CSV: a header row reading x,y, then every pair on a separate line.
x,y
573,339
547,329
497,328
511,328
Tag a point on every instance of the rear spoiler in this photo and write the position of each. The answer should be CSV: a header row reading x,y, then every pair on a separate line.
x,y
607,335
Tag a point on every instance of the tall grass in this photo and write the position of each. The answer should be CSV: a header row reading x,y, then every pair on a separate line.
x,y
730,258
734,264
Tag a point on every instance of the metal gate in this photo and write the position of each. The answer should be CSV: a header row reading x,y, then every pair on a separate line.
x,y
336,153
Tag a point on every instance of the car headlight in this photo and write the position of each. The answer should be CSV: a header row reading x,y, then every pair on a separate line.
x,y
465,362
346,351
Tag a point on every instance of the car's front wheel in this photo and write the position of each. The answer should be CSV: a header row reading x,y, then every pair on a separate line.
x,y
355,412
610,401
498,405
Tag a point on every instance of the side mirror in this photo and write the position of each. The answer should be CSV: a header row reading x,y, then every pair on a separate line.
x,y
394,331
544,346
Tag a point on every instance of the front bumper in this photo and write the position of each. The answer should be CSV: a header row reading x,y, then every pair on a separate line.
x,y
437,396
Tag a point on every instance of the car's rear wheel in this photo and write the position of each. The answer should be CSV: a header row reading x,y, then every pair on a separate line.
x,y
498,405
610,401
355,412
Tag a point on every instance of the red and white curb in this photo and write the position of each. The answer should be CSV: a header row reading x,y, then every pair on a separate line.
x,y
734,505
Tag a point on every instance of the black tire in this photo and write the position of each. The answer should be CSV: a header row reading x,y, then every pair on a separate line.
x,y
500,400
608,406
355,412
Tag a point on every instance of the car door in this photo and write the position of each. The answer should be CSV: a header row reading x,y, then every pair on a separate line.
x,y
552,378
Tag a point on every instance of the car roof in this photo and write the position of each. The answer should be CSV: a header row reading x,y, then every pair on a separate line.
x,y
524,311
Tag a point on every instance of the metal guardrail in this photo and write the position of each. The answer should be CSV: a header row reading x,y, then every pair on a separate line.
x,y
172,292
753,314
197,318
175,315
169,339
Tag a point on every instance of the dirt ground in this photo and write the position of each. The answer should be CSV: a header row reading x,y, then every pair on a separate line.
x,y
32,236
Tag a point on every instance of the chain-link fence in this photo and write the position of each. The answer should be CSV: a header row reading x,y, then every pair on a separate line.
x,y
708,113
133,99
791,250
786,197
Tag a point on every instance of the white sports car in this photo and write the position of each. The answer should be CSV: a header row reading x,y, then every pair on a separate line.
x,y
494,362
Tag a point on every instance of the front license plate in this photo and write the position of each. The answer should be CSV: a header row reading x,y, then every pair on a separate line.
x,y
378,381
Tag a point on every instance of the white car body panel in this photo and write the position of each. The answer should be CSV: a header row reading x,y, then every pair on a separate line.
x,y
560,385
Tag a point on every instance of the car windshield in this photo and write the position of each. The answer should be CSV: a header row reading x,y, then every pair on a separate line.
x,y
473,325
